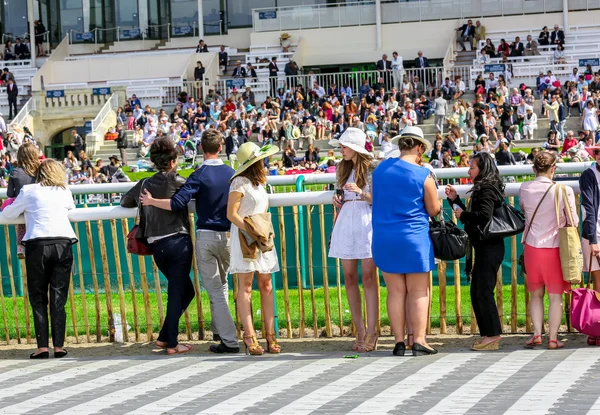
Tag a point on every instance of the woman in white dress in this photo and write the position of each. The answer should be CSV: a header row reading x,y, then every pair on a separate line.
x,y
352,233
590,117
247,196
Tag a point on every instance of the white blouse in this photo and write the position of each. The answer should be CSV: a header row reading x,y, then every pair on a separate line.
x,y
45,209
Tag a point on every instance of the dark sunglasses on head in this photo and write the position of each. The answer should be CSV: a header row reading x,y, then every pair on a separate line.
x,y
596,152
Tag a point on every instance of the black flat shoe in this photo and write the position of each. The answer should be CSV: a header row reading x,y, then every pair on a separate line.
x,y
59,355
43,355
399,349
222,348
418,350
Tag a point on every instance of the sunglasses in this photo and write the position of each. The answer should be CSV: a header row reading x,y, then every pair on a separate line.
x,y
596,152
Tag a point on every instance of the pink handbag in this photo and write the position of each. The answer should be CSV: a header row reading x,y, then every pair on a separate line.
x,y
585,309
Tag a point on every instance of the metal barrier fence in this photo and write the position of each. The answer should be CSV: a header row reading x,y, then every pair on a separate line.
x,y
112,289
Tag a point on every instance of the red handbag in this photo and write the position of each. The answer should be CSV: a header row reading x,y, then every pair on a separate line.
x,y
135,245
585,309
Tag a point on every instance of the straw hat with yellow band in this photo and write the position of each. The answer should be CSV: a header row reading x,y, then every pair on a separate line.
x,y
249,153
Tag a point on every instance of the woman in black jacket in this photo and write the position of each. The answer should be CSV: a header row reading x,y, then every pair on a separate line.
x,y
486,195
168,234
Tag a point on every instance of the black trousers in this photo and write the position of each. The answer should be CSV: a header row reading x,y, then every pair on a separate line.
x,y
488,258
173,256
12,103
49,264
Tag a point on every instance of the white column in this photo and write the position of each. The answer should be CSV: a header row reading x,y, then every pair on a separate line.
x,y
32,44
200,20
143,14
85,5
566,16
378,23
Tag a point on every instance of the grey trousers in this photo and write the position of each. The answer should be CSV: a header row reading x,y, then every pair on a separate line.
x,y
439,123
212,258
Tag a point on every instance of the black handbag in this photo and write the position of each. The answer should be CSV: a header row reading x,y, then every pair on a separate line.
x,y
449,241
506,221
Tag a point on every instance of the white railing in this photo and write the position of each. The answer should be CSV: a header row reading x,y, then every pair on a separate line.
x,y
329,178
279,19
275,200
19,120
113,102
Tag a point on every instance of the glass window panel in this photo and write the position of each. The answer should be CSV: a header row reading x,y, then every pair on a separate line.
x,y
212,16
71,16
184,17
15,17
239,12
127,15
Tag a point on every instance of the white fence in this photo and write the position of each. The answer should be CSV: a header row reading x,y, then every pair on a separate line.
x,y
275,200
112,103
19,120
278,19
329,178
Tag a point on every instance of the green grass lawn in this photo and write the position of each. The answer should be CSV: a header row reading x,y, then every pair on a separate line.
x,y
319,309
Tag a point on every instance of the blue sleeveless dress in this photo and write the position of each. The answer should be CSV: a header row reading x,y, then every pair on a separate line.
x,y
401,242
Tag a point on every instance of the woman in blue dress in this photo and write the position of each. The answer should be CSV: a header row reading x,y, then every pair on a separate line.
x,y
404,197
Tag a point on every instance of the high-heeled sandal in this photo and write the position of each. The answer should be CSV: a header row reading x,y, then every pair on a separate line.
x,y
253,348
273,346
370,343
359,344
555,344
533,342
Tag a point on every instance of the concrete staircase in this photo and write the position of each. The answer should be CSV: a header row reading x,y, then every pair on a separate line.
x,y
465,58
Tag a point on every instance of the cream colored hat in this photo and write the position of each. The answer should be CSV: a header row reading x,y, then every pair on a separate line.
x,y
249,153
354,139
416,133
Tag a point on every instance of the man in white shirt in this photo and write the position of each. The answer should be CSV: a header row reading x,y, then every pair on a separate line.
x,y
574,76
459,87
397,70
319,90
491,84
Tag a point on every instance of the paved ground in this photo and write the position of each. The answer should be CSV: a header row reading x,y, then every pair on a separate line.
x,y
512,381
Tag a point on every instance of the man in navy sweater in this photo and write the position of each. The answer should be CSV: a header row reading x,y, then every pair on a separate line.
x,y
209,187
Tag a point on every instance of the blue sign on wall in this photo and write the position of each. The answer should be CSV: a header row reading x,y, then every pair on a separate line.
x,y
80,37
57,93
131,33
238,83
593,62
87,128
267,15
183,30
498,67
101,91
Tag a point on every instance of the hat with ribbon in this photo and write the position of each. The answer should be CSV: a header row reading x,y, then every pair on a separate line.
x,y
249,153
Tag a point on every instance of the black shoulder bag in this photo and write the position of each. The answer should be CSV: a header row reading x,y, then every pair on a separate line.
x,y
449,241
506,221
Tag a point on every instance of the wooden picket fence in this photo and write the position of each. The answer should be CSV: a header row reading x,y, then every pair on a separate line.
x,y
298,316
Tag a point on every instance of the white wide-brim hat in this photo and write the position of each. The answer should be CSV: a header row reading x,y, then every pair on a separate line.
x,y
417,134
353,138
249,153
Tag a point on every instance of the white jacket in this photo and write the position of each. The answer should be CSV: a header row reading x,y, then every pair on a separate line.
x,y
45,210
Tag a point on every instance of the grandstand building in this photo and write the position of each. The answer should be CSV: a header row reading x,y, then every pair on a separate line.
x,y
104,51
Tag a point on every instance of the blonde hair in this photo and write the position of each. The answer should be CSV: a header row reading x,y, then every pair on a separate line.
x,y
52,173
28,159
